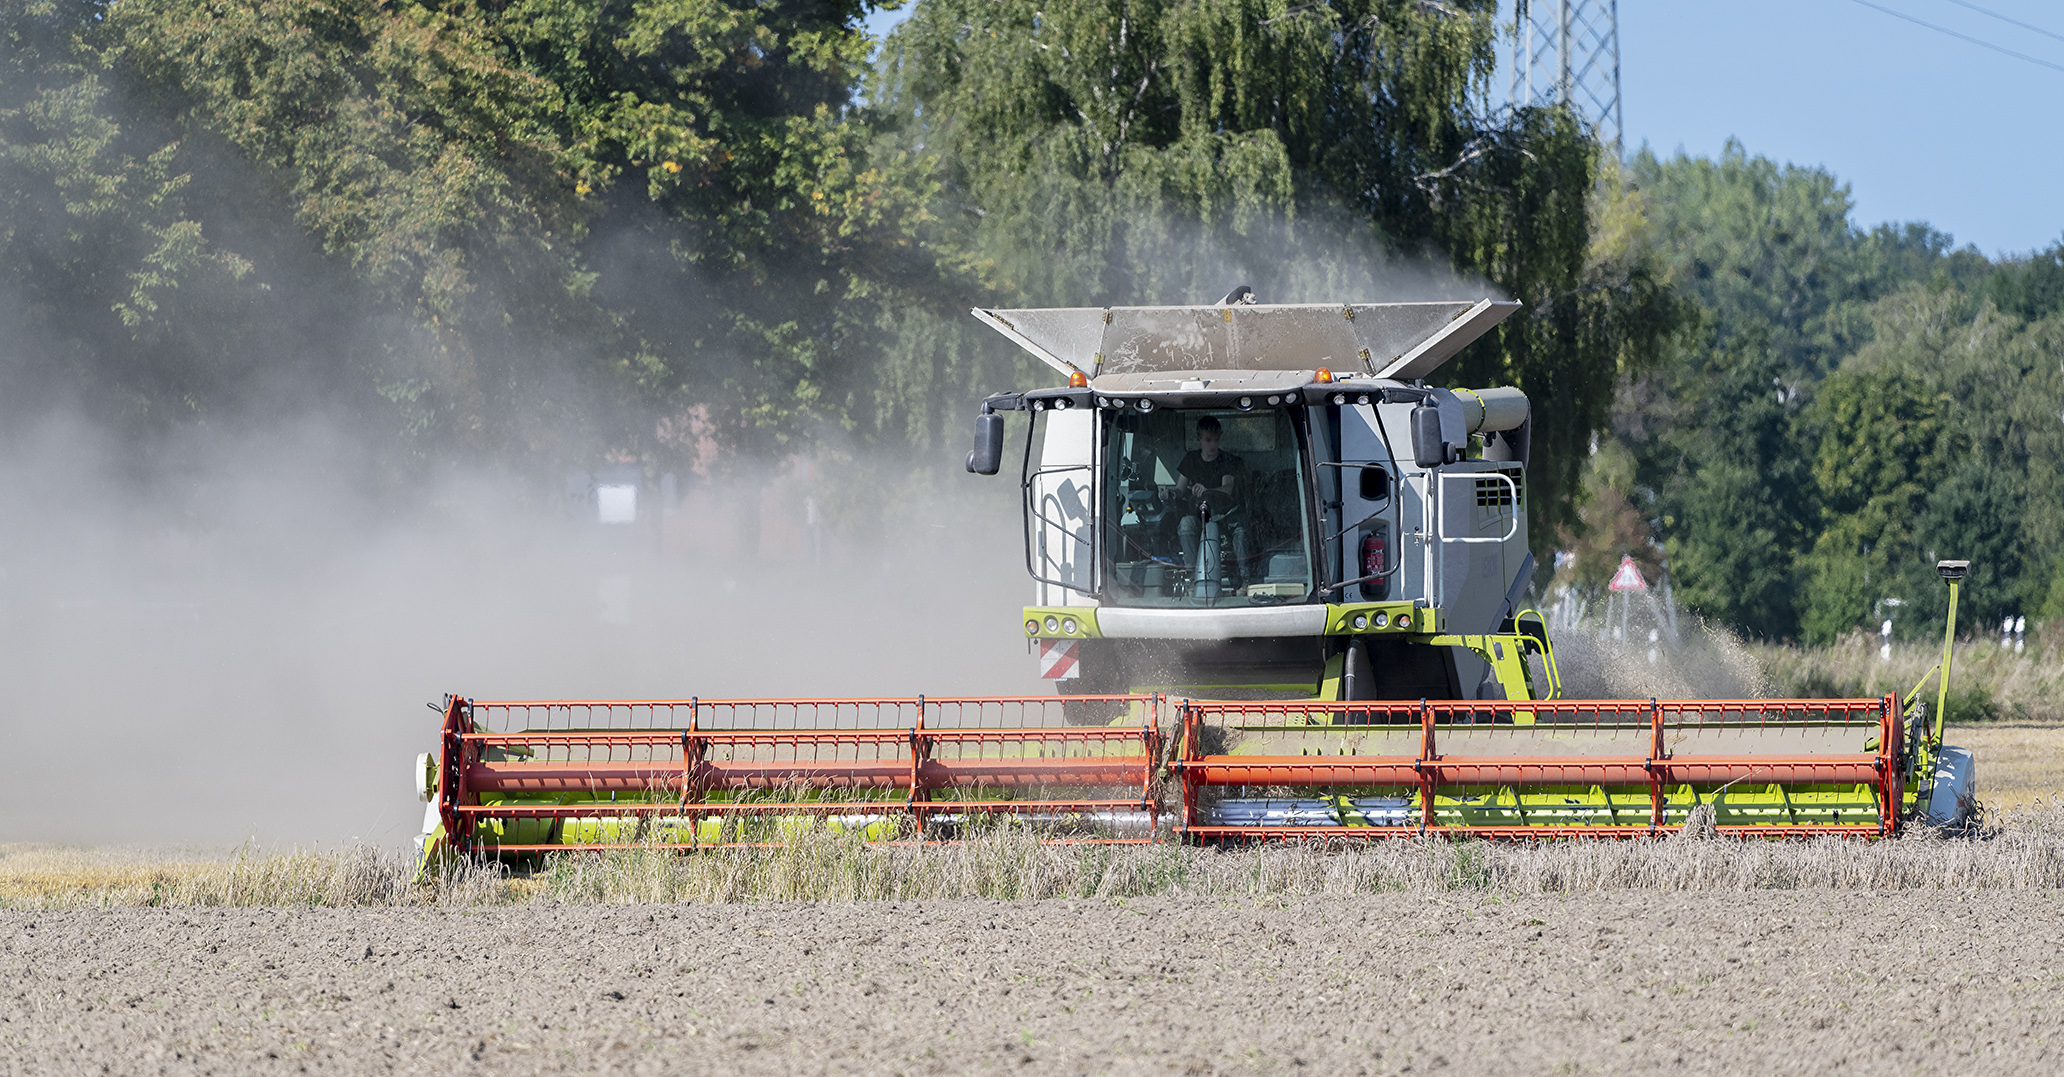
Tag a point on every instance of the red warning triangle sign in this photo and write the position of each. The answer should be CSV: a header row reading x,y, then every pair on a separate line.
x,y
1628,578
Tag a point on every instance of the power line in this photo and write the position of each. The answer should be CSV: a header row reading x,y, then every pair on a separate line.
x,y
1962,37
2005,19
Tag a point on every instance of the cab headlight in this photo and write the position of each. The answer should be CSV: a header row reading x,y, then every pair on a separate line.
x,y
1382,618
1361,621
1053,624
1068,625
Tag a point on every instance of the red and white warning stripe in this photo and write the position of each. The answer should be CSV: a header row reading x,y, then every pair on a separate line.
x,y
1058,660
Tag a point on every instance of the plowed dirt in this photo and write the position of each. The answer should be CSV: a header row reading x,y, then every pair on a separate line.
x,y
1768,983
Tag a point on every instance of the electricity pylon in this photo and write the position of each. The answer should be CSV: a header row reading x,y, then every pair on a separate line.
x,y
1568,53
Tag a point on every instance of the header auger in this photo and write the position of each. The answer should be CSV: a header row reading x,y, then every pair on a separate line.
x,y
1278,581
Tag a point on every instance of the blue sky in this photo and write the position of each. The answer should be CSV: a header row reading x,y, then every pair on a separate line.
x,y
1921,125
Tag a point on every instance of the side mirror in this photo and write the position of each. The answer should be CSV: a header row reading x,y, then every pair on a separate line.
x,y
987,457
1428,450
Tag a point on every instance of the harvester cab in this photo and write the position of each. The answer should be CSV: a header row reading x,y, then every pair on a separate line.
x,y
1254,501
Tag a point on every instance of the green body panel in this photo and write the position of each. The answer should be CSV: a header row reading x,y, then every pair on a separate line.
x,y
875,824
1083,616
1506,652
1340,618
1576,807
1329,681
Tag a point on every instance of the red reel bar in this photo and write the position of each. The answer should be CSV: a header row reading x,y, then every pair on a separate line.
x,y
1430,770
598,750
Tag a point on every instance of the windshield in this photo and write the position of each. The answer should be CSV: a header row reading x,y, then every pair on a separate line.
x,y
1204,508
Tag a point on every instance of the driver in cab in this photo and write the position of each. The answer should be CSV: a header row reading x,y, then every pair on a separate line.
x,y
1210,475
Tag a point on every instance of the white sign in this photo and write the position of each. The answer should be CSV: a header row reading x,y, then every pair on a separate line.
x,y
616,504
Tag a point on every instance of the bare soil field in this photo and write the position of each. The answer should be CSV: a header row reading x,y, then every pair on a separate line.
x,y
1758,982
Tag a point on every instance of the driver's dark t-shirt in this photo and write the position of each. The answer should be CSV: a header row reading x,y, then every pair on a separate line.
x,y
1210,474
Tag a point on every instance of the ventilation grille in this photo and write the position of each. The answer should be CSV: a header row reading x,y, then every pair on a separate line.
x,y
1494,494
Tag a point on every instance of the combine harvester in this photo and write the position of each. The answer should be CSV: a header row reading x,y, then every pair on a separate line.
x,y
1278,581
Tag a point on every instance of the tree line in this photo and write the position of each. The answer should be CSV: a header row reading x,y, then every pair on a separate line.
x,y
702,234
712,231
1850,405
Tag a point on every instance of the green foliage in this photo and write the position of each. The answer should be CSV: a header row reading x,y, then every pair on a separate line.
x,y
697,232
549,228
1854,406
1111,153
101,253
1935,442
694,231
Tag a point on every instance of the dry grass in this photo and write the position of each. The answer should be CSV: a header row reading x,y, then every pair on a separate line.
x,y
30,873
2020,764
1987,682
46,876
2022,851
2007,708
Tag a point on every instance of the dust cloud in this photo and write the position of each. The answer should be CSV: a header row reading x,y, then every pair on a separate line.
x,y
1324,253
1602,656
241,645
234,635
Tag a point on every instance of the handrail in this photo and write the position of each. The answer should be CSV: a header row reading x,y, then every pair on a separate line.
x,y
1440,532
1548,665
1035,510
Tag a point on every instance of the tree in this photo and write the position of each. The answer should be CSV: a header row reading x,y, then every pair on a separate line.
x,y
1725,429
533,229
107,272
1121,152
1937,440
